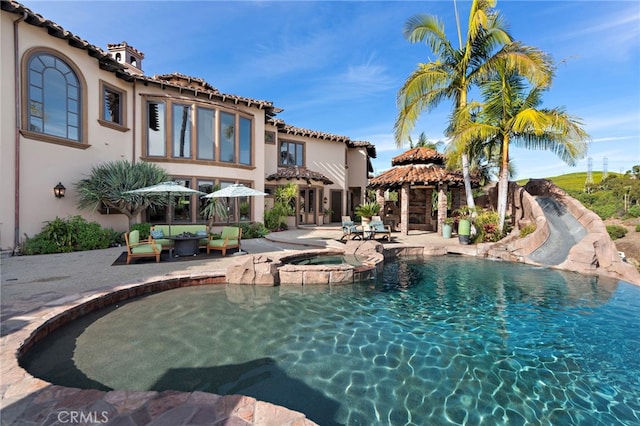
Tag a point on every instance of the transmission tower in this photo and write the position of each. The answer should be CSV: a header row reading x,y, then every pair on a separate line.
x,y
605,166
589,182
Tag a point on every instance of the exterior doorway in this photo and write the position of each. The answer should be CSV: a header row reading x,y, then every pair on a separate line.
x,y
336,206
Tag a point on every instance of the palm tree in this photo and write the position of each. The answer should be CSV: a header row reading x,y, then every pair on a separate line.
x,y
509,115
424,142
454,71
108,183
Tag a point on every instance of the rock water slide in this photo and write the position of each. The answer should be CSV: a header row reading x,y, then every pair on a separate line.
x,y
564,232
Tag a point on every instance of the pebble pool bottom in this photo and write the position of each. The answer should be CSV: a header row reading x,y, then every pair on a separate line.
x,y
440,340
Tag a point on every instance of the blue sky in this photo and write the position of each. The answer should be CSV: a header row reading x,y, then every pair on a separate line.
x,y
336,66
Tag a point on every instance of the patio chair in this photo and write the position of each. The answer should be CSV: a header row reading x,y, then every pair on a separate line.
x,y
141,248
230,238
379,228
349,229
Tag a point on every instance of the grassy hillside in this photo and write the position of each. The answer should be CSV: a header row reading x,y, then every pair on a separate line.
x,y
570,181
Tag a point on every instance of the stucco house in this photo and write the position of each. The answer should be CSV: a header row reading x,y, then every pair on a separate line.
x,y
68,106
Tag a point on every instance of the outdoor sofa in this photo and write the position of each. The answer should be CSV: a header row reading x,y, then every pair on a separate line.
x,y
159,232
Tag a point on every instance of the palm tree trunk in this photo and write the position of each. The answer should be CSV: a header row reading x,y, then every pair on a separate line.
x,y
467,182
503,183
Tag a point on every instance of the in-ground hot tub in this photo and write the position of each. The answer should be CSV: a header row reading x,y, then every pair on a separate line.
x,y
308,267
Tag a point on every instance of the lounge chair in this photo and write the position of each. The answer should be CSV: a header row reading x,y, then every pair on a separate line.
x,y
379,228
141,248
349,229
230,238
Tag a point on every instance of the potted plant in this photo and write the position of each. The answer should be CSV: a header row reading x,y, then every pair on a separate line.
x,y
327,215
447,227
244,210
464,224
367,210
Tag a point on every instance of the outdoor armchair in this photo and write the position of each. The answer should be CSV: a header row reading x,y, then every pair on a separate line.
x,y
141,248
349,229
379,228
230,238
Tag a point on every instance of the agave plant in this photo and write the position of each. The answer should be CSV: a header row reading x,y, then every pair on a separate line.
x,y
367,210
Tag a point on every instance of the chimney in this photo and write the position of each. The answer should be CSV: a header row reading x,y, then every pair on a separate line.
x,y
127,55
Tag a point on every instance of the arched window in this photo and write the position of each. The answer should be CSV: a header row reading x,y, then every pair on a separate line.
x,y
54,94
118,57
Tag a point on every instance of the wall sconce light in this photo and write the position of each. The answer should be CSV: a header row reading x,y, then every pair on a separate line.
x,y
59,190
325,200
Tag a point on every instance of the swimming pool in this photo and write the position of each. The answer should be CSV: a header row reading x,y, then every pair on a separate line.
x,y
442,340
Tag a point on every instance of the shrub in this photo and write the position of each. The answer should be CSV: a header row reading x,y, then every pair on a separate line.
x,y
527,230
253,230
486,223
616,231
634,211
66,235
638,227
274,218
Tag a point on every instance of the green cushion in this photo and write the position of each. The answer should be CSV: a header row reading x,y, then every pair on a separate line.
x,y
145,248
134,237
179,229
220,243
230,232
163,242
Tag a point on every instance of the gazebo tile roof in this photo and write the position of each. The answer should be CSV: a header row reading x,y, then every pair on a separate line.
x,y
296,172
418,155
416,174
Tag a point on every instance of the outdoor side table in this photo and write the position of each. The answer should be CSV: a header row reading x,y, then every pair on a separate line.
x,y
185,245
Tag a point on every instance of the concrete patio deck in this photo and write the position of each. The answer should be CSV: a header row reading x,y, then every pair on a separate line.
x,y
37,289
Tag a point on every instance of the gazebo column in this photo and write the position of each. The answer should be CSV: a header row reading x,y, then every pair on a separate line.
x,y
428,207
404,209
380,201
442,205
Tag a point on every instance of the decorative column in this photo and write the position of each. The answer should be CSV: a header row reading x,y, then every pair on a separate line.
x,y
428,207
442,205
380,201
404,209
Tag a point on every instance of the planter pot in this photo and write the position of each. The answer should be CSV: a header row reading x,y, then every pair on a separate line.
x,y
366,220
446,230
291,222
464,227
464,239
327,218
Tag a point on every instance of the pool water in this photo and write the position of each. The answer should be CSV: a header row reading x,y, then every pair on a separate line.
x,y
436,341
337,259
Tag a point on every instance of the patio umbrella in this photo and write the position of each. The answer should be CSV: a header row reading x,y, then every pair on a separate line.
x,y
236,191
168,188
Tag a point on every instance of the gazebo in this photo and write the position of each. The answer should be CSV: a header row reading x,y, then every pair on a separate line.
x,y
427,191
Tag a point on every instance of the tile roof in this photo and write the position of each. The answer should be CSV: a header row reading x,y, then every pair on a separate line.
x,y
418,155
288,129
297,172
417,174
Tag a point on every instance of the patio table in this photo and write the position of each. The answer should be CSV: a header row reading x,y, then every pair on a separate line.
x,y
184,245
